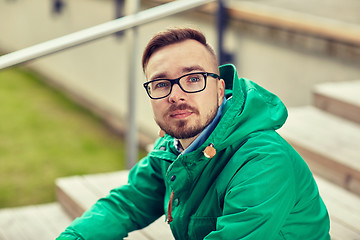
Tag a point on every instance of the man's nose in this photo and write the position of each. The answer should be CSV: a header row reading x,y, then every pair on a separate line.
x,y
177,94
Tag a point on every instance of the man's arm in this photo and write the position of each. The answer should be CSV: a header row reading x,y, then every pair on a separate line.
x,y
125,209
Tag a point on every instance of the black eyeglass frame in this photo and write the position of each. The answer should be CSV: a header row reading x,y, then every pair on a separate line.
x,y
177,81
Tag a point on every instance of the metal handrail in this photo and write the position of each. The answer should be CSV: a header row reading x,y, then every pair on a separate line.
x,y
98,31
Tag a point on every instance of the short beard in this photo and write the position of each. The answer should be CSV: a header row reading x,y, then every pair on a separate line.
x,y
181,130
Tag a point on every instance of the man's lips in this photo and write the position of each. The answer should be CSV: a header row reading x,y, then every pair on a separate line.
x,y
180,114
180,111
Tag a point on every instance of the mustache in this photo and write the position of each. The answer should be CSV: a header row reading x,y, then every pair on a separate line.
x,y
182,106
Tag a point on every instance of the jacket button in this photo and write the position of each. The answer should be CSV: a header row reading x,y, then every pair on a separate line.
x,y
176,202
173,177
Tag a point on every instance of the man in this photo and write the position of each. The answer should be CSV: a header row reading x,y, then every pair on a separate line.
x,y
220,171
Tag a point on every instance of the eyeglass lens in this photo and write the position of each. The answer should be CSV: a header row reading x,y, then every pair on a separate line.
x,y
188,83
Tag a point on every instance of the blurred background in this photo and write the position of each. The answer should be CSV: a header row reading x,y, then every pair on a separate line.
x,y
67,113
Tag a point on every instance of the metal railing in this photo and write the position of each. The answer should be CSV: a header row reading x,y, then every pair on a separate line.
x,y
97,32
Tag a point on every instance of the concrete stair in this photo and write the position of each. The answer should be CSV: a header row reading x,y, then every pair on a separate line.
x,y
329,140
39,222
329,144
341,99
344,210
75,195
327,135
78,193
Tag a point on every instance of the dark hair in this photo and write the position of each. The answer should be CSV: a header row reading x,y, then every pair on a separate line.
x,y
172,36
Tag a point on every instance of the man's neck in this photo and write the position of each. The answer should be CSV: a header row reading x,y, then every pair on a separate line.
x,y
186,142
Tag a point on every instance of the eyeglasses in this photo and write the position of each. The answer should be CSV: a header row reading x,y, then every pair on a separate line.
x,y
189,83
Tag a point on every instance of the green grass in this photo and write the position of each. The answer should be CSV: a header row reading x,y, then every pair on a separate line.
x,y
43,136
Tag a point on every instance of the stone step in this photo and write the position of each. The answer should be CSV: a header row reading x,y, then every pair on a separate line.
x,y
40,222
77,193
329,144
46,221
340,98
344,211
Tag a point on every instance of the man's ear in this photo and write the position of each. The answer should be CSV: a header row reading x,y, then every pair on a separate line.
x,y
221,90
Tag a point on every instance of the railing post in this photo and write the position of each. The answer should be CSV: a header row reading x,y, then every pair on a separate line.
x,y
132,139
222,18
119,13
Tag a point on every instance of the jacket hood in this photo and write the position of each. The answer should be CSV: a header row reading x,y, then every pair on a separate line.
x,y
249,108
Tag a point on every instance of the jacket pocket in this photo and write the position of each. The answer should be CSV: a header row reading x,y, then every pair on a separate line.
x,y
199,227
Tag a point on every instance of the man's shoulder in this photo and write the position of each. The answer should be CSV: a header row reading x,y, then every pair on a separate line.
x,y
260,149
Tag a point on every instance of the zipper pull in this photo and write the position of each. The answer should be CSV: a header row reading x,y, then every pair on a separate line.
x,y
169,217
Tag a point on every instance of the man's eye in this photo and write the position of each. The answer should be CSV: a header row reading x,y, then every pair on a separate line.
x,y
194,79
161,85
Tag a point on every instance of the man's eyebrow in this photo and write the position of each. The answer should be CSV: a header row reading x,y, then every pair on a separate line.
x,y
193,68
158,76
163,75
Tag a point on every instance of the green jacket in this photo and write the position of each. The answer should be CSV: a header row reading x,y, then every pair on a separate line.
x,y
255,187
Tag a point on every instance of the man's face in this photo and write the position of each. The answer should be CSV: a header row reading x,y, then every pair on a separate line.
x,y
184,115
